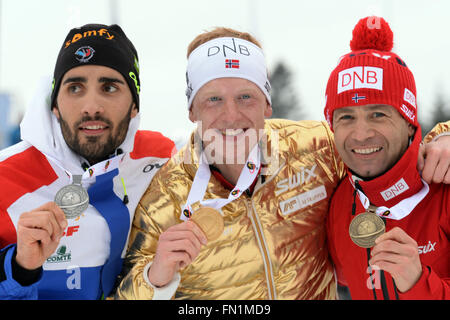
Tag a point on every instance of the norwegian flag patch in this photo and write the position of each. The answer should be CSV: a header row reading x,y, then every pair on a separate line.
x,y
229,63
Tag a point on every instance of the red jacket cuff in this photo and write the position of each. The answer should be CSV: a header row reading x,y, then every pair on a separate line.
x,y
429,287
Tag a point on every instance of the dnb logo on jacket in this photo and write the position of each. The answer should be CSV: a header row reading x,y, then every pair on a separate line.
x,y
84,54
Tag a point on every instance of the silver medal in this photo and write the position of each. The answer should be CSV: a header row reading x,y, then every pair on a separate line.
x,y
73,199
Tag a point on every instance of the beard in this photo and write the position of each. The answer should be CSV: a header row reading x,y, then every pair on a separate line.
x,y
95,149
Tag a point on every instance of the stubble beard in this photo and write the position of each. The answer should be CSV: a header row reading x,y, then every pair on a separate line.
x,y
95,149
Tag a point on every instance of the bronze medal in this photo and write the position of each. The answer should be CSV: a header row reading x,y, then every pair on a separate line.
x,y
366,227
210,221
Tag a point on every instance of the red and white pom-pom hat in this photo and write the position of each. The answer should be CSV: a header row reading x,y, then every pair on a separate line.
x,y
372,74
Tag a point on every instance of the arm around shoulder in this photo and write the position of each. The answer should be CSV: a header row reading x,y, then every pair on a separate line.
x,y
440,129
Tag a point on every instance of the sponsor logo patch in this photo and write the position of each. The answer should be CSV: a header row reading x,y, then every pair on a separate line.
x,y
303,200
409,97
430,246
407,112
398,188
360,77
295,180
60,256
84,54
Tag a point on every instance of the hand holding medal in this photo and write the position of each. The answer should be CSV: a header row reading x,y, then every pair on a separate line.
x,y
38,235
178,246
397,253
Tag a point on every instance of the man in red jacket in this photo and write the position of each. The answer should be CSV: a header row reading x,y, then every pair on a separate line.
x,y
388,230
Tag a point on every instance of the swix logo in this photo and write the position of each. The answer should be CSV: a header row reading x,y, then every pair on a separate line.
x,y
70,231
360,77
398,188
410,114
427,248
302,177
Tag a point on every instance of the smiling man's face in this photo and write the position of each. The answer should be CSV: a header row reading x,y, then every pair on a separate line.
x,y
370,139
231,112
94,107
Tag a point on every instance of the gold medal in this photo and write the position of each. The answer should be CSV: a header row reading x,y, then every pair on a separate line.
x,y
210,221
366,227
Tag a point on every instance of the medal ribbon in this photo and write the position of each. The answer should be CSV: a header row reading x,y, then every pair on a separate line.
x,y
98,169
201,180
401,209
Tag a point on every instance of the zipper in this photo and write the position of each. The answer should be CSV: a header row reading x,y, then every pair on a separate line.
x,y
263,248
260,236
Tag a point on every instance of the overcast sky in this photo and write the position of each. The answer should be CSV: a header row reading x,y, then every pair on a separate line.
x,y
309,36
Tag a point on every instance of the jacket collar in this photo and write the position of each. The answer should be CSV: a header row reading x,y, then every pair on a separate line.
x,y
398,183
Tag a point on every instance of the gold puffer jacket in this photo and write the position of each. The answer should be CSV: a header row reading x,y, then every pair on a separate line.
x,y
273,245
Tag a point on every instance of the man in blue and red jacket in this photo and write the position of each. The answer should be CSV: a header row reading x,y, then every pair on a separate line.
x,y
372,109
82,132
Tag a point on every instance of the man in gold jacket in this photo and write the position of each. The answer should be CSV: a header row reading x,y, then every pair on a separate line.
x,y
273,205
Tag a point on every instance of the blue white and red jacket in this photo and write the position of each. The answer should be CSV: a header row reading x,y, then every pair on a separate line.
x,y
89,256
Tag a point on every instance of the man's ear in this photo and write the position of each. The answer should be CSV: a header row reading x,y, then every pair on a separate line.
x,y
134,110
55,111
192,116
411,130
268,110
